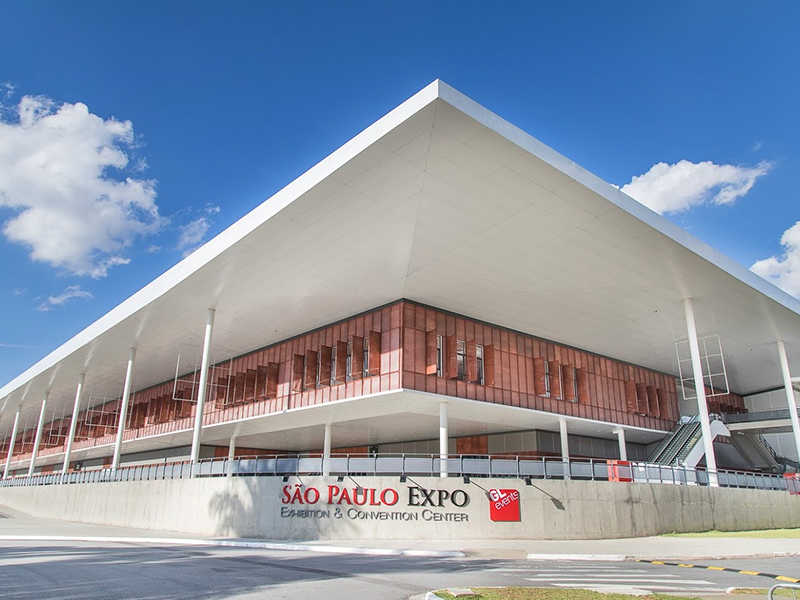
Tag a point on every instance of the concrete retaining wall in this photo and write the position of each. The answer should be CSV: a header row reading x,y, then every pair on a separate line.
x,y
261,507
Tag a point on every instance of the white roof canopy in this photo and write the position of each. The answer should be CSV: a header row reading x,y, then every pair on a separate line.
x,y
445,203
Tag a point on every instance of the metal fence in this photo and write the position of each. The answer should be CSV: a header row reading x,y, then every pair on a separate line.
x,y
761,415
525,468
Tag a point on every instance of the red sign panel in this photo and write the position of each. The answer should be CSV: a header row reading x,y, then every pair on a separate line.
x,y
504,505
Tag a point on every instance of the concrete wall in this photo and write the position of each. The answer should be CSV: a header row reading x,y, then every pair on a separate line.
x,y
551,509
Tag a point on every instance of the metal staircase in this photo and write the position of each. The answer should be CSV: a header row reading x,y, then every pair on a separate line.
x,y
756,451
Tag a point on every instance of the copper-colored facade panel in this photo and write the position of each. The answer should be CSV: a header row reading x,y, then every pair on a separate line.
x,y
250,385
374,354
310,378
325,365
298,370
568,380
472,361
451,356
431,352
641,399
539,375
488,365
341,361
555,380
652,401
357,358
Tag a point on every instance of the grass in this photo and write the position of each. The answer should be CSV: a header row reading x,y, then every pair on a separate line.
x,y
761,533
520,593
761,592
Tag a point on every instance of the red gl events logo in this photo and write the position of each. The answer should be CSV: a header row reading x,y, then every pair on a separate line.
x,y
504,505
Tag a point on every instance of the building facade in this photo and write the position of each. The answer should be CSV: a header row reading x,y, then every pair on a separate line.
x,y
442,284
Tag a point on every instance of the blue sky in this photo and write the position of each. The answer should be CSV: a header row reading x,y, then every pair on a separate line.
x,y
203,110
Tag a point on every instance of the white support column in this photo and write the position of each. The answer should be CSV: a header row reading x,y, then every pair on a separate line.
x,y
564,435
73,423
326,452
699,384
201,392
11,443
443,440
231,455
123,410
38,438
790,400
623,449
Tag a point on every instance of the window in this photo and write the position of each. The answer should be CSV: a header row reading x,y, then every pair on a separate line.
x,y
365,362
547,378
479,358
439,351
349,368
461,360
333,365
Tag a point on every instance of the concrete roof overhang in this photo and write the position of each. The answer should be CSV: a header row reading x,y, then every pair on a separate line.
x,y
442,202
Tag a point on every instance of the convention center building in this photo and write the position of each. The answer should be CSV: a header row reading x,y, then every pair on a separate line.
x,y
448,294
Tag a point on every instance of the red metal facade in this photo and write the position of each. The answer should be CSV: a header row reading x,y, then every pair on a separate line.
x,y
403,345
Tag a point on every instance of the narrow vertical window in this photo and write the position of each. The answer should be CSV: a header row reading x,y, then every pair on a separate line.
x,y
333,365
547,378
365,362
439,355
574,384
349,370
479,358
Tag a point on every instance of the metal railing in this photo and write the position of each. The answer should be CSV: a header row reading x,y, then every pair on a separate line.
x,y
784,586
520,467
761,415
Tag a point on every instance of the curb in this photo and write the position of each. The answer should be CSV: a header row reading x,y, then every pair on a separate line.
x,y
432,596
785,578
237,544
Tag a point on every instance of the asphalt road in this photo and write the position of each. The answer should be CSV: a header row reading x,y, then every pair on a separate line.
x,y
31,570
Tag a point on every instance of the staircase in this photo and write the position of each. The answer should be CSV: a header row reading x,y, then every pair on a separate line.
x,y
754,449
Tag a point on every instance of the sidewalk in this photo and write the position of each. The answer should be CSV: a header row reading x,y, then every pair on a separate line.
x,y
19,526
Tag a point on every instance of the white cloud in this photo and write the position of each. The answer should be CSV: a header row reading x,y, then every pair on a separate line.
x,y
784,271
70,293
70,211
7,89
679,187
192,234
18,346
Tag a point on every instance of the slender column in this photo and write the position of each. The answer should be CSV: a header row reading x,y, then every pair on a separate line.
x,y
231,455
790,400
623,449
443,440
564,435
699,384
38,438
73,424
123,411
326,452
201,393
11,444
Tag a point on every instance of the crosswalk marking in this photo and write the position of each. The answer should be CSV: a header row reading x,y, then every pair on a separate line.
x,y
583,580
606,578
